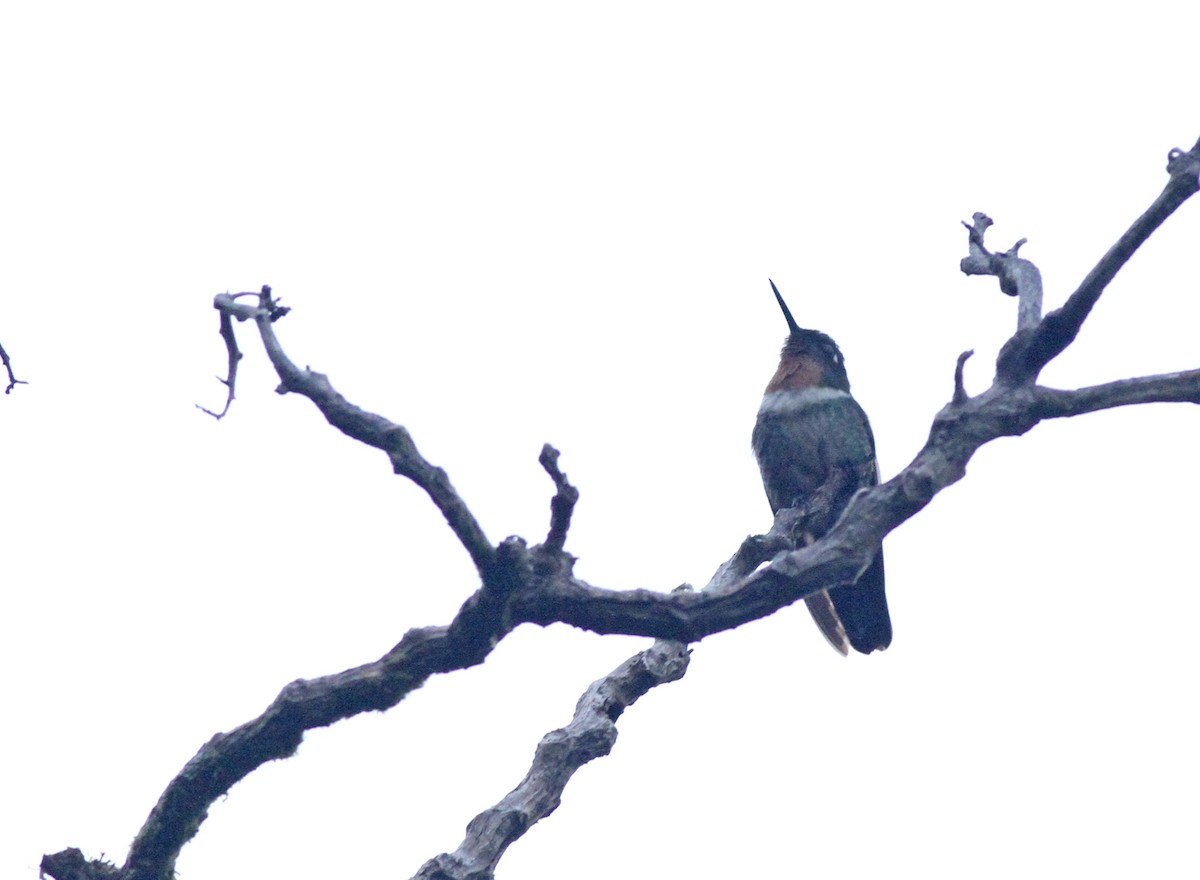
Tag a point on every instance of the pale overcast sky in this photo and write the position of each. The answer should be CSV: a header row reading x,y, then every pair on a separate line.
x,y
507,224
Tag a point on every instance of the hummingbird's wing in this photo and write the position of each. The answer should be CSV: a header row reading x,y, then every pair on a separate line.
x,y
855,613
803,435
800,438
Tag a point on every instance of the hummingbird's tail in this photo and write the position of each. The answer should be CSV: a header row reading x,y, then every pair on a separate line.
x,y
855,616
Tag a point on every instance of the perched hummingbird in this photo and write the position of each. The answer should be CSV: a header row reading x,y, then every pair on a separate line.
x,y
809,425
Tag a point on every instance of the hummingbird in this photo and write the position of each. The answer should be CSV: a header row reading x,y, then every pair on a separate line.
x,y
807,427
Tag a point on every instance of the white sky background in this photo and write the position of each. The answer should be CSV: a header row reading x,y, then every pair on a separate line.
x,y
503,225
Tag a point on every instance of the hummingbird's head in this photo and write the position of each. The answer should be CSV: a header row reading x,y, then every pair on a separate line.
x,y
809,358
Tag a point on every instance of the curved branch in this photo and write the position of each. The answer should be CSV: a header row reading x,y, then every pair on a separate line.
x,y
960,390
307,704
590,735
234,355
522,585
13,381
363,426
1027,353
1018,276
518,591
562,505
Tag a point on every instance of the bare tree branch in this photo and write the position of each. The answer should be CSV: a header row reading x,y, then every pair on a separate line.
x,y
562,505
13,381
536,585
235,355
1166,388
71,863
1024,356
960,390
303,705
593,731
591,734
307,704
1018,277
366,427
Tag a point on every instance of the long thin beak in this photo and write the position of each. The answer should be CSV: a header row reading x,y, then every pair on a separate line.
x,y
792,325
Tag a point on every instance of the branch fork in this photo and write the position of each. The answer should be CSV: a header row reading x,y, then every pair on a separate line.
x,y
536,585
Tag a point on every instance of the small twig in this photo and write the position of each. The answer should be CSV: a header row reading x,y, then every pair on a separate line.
x,y
750,554
13,381
562,505
229,307
793,527
977,253
960,392
70,864
1018,276
230,379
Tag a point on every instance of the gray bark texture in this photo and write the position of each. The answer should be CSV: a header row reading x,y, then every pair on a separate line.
x,y
520,583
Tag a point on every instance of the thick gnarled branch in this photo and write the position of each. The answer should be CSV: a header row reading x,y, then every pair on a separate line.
x,y
590,735
524,585
1028,352
534,594
308,704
